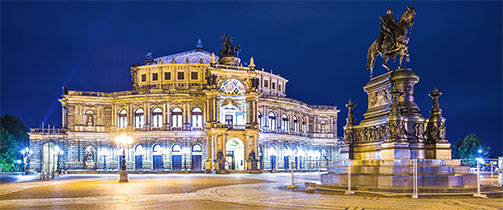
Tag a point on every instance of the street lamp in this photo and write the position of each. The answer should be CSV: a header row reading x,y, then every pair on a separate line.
x,y
123,140
26,154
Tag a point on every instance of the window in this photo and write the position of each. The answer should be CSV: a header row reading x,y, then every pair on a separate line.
x,y
154,77
197,148
180,75
193,75
139,118
295,124
304,125
89,118
143,77
123,118
157,150
167,75
279,87
272,121
259,120
273,85
266,83
157,118
323,127
176,148
197,118
233,87
285,123
228,119
176,118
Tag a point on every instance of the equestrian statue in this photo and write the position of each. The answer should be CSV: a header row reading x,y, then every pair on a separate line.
x,y
393,39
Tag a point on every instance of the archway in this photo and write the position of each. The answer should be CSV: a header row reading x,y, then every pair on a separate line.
x,y
234,154
50,157
157,157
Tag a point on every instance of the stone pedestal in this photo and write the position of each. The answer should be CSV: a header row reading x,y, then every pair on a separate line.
x,y
438,151
395,150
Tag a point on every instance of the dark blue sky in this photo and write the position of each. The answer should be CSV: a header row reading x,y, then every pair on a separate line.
x,y
319,46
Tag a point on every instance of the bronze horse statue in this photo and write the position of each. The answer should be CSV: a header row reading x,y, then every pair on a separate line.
x,y
387,48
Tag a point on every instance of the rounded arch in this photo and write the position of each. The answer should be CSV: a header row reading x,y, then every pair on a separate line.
x,y
176,117
197,148
273,150
138,150
123,111
234,150
139,118
157,149
271,120
285,122
176,148
156,117
197,118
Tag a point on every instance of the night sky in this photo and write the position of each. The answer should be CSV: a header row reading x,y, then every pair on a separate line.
x,y
320,47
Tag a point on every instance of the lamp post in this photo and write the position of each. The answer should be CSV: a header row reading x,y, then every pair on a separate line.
x,y
26,154
123,140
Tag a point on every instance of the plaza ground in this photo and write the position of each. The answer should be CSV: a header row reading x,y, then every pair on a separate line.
x,y
205,191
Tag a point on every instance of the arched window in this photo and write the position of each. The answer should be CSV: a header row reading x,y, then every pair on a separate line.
x,y
157,149
295,124
89,118
323,126
197,148
139,118
123,118
157,118
138,150
176,118
176,148
304,125
272,121
260,120
197,118
285,123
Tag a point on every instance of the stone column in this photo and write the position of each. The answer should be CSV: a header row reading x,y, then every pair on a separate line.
x,y
437,147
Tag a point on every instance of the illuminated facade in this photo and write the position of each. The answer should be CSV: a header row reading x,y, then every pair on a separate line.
x,y
189,111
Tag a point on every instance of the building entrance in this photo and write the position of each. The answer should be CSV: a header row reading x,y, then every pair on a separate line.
x,y
234,151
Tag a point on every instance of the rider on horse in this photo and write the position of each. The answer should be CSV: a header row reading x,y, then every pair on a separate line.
x,y
388,25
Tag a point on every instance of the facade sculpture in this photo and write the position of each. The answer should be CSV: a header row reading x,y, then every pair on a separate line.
x,y
190,111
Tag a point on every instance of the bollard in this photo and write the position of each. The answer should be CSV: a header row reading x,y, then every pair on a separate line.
x,y
293,185
310,188
349,192
491,163
41,175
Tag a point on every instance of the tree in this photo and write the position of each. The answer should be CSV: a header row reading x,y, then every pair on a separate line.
x,y
468,148
14,138
8,149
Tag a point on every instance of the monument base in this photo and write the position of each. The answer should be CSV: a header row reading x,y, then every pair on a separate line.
x,y
397,176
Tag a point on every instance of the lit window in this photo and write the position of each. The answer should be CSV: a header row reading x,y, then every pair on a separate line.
x,y
176,148
139,118
197,148
197,118
260,119
272,120
295,124
123,118
157,118
285,123
176,118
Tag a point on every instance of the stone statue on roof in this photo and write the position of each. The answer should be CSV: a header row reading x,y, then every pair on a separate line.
x,y
228,48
